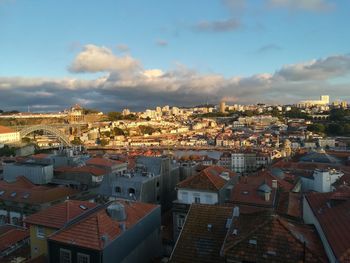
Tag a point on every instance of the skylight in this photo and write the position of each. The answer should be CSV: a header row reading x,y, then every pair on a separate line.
x,y
83,207
13,194
2,192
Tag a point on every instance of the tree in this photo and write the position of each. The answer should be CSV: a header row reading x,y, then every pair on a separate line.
x,y
77,141
335,129
114,116
118,132
104,142
147,129
317,127
106,134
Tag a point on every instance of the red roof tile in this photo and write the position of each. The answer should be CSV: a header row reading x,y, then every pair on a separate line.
x,y
88,232
83,169
10,235
4,129
98,161
208,179
24,191
334,218
57,216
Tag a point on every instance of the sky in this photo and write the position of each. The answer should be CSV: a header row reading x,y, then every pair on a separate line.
x,y
112,54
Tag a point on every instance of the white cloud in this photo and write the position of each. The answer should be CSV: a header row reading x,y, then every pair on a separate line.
x,y
308,5
181,85
101,59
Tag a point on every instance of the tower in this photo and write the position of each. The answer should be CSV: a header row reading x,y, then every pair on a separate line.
x,y
222,106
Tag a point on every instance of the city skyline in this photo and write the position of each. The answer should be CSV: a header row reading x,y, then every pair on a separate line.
x,y
111,55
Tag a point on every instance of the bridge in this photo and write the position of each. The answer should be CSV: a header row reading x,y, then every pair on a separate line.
x,y
50,129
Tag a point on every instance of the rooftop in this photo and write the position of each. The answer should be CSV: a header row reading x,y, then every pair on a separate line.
x,y
57,216
97,229
208,179
24,191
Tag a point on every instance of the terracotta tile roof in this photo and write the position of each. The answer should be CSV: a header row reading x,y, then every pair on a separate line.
x,y
290,205
57,216
196,242
40,156
332,212
10,235
4,129
91,231
208,179
246,191
23,191
261,237
83,169
98,161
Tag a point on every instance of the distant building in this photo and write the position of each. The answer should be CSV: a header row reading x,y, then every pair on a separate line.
x,y
320,180
323,101
76,114
8,135
35,172
222,107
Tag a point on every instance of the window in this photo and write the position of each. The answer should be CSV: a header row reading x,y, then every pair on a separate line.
x,y
83,258
184,197
196,198
180,221
208,199
65,256
40,232
118,189
131,191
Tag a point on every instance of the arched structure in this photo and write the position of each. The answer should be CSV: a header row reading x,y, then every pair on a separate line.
x,y
52,130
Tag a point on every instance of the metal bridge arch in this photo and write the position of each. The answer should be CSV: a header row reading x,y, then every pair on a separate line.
x,y
52,130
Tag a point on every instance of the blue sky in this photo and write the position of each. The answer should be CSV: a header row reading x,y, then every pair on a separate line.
x,y
41,39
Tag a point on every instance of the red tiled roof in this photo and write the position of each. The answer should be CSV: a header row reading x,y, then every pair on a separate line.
x,y
57,216
289,204
4,129
334,220
98,161
196,242
10,235
89,231
24,191
40,156
83,169
208,179
261,237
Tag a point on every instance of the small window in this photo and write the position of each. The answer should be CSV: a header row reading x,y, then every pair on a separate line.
x,y
83,258
180,221
40,232
118,189
13,194
131,191
197,199
157,183
65,256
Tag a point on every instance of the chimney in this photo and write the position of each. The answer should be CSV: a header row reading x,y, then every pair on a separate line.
x,y
236,211
117,211
210,227
274,184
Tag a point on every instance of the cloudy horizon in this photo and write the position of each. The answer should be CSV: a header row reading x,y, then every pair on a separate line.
x,y
106,74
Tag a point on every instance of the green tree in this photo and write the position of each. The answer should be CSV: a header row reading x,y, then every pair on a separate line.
x,y
335,129
77,141
104,142
114,116
118,132
317,127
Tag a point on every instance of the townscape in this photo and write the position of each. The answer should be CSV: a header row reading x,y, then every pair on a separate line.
x,y
193,131
213,183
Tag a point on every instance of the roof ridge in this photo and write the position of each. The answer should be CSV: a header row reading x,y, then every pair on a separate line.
x,y
247,234
208,175
280,220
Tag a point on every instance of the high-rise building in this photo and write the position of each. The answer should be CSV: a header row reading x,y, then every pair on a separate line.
x,y
222,106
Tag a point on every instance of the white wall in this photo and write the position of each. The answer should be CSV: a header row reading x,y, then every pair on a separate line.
x,y
205,197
